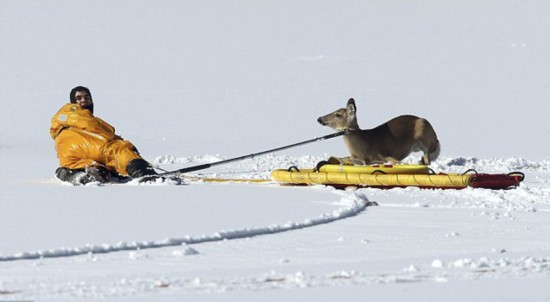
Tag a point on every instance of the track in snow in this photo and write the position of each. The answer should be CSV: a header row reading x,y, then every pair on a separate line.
x,y
355,203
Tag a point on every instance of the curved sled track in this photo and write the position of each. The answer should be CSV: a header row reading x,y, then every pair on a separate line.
x,y
355,203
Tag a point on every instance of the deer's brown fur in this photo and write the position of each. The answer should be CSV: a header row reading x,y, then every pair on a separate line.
x,y
390,142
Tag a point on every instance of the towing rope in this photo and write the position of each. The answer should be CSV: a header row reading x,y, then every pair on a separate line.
x,y
218,179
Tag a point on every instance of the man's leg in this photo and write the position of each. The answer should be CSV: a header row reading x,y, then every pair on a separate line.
x,y
124,158
79,159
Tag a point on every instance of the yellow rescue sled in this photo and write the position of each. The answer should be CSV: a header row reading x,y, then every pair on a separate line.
x,y
392,176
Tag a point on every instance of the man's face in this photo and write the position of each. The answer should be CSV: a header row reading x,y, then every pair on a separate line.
x,y
83,99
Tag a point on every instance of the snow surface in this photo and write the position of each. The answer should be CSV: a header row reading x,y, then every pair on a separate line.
x,y
192,82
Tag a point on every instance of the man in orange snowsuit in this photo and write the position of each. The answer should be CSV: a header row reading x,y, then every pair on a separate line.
x,y
88,148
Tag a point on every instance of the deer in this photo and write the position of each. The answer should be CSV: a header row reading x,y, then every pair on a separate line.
x,y
390,142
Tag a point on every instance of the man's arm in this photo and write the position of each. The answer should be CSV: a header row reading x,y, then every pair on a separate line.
x,y
72,115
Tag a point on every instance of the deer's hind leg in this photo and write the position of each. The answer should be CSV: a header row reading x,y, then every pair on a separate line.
x,y
426,141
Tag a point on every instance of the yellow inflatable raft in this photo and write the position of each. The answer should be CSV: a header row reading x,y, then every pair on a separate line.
x,y
308,177
393,176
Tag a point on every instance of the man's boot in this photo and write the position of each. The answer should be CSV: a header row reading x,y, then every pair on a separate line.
x,y
83,176
138,167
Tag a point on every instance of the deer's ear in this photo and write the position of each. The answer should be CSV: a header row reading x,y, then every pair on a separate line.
x,y
351,106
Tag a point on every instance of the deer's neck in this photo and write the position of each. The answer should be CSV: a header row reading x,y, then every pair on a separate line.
x,y
353,125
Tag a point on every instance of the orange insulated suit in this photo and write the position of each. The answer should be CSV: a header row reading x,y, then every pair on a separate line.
x,y
83,140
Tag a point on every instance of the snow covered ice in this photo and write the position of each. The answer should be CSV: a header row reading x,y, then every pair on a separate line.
x,y
196,82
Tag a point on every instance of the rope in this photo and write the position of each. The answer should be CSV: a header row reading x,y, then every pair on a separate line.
x,y
217,179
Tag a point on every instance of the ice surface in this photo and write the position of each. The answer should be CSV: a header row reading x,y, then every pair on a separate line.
x,y
192,82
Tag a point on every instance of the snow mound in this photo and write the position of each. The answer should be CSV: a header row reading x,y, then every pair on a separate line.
x,y
265,164
493,165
